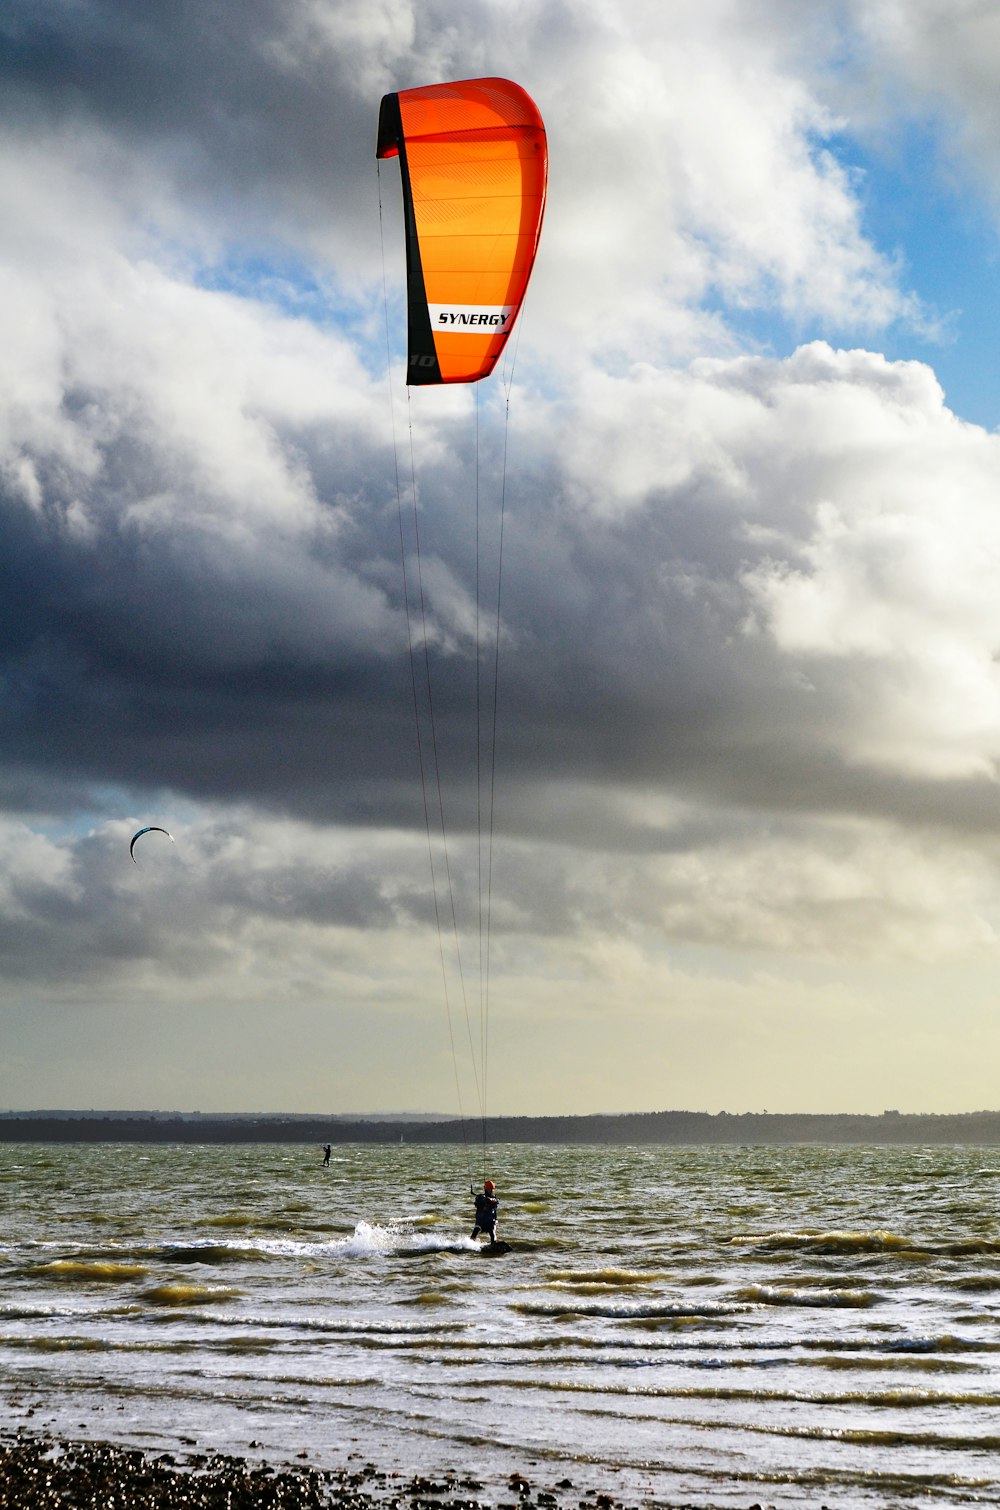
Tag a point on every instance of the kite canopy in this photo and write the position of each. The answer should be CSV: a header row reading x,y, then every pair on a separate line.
x,y
152,829
473,164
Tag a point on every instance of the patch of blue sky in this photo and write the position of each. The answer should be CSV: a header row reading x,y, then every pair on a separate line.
x,y
943,236
101,803
293,288
944,233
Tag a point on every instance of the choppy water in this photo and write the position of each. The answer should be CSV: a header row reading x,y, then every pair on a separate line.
x,y
799,1326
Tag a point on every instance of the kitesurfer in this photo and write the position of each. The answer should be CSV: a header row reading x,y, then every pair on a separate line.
x,y
487,1204
326,1154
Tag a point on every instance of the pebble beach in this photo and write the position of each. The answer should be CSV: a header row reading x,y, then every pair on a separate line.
x,y
38,1471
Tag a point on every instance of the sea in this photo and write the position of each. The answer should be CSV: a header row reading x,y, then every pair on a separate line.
x,y
710,1326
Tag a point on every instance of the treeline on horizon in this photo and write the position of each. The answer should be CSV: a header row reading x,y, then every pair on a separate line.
x,y
628,1128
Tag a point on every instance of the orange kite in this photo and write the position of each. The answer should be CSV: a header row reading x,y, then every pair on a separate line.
x,y
473,163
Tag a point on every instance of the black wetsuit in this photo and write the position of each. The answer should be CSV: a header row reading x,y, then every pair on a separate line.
x,y
486,1215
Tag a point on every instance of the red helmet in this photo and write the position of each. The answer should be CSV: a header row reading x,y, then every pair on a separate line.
x,y
489,1185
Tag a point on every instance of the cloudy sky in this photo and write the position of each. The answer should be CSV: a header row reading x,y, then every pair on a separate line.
x,y
746,830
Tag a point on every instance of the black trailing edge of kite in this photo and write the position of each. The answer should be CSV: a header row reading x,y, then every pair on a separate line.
x,y
422,366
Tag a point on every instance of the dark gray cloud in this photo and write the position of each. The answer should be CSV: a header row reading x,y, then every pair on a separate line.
x,y
263,655
254,127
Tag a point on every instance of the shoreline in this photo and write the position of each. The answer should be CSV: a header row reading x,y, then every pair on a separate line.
x,y
46,1470
628,1129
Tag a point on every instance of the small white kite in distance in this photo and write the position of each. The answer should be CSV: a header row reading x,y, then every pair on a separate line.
x,y
152,829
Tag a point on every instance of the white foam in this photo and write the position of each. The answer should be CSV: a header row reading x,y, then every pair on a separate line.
x,y
368,1240
420,1243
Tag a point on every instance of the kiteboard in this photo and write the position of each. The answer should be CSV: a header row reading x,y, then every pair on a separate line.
x,y
494,1250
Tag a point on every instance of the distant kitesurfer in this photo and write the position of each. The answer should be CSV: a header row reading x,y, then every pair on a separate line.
x,y
487,1204
326,1154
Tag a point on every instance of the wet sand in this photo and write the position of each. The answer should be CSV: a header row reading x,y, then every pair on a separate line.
x,y
38,1471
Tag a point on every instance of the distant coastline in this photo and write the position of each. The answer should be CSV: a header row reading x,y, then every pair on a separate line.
x,y
633,1128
